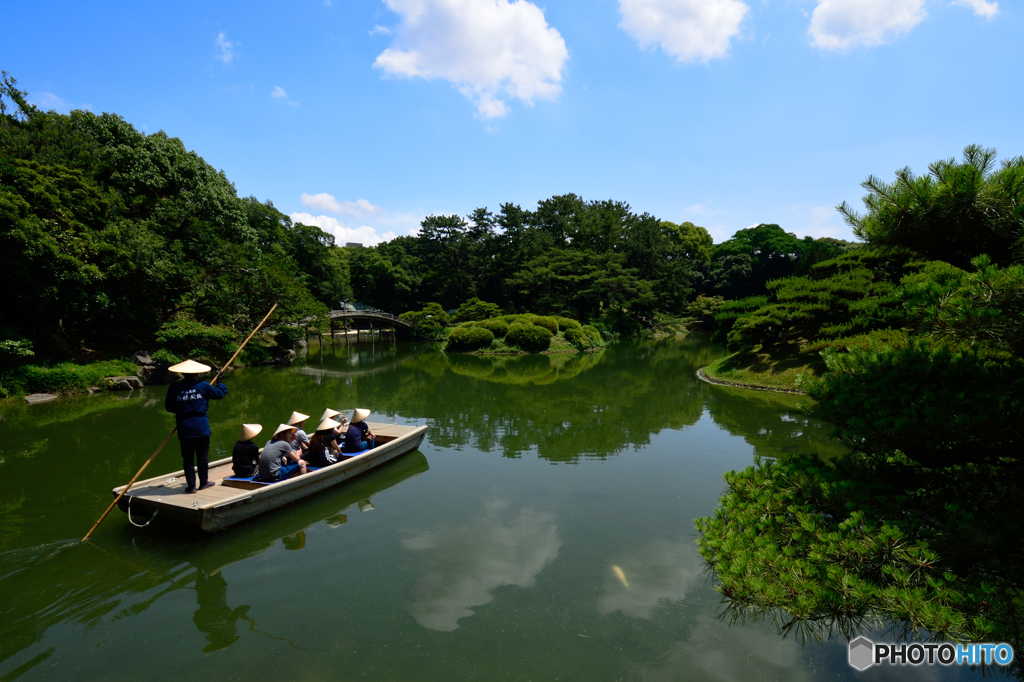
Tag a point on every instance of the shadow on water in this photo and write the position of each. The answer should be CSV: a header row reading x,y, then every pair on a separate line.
x,y
125,574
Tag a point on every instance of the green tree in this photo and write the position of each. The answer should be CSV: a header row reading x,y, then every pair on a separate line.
x,y
982,309
475,309
743,264
957,211
451,256
579,284
107,234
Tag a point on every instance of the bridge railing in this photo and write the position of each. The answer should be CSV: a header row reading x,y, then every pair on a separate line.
x,y
361,310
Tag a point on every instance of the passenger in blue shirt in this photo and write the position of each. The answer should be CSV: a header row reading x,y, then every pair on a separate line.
x,y
358,437
189,399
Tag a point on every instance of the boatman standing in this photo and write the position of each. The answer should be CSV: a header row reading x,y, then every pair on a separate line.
x,y
189,399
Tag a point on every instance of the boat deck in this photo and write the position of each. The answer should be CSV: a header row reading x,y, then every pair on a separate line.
x,y
168,490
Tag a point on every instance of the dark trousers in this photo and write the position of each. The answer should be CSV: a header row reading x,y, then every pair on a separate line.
x,y
198,448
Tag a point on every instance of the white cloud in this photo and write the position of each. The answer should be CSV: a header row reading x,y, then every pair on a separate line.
x,y
364,234
490,50
376,224
360,208
689,30
841,24
982,8
279,93
379,30
817,222
702,209
48,101
227,50
466,564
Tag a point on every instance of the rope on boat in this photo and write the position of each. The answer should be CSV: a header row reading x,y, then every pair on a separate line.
x,y
139,525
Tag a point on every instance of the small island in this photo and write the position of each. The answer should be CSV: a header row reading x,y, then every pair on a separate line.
x,y
480,327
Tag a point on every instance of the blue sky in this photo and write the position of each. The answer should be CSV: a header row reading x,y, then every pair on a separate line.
x,y
365,116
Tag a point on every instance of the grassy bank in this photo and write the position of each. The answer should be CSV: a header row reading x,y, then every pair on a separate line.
x,y
758,368
63,378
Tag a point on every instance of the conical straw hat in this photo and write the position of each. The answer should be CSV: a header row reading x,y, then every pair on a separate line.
x,y
250,431
329,414
284,427
360,414
297,417
328,425
189,367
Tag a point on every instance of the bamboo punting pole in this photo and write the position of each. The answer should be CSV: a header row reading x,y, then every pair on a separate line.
x,y
168,439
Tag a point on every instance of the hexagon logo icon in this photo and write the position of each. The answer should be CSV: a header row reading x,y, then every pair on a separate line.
x,y
862,652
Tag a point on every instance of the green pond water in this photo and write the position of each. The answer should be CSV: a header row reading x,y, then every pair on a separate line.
x,y
487,554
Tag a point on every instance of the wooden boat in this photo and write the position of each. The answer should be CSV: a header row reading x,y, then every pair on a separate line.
x,y
229,502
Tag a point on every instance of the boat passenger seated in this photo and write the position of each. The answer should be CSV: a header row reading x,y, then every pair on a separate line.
x,y
245,456
278,460
301,441
358,436
323,449
342,424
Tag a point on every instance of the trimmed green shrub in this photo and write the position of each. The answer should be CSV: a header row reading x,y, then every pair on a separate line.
x,y
549,323
431,321
892,338
529,337
475,310
704,308
730,311
164,355
190,338
594,334
66,377
496,326
578,338
566,323
521,317
469,338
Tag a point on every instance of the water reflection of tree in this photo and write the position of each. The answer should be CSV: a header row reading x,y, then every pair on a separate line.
x,y
774,424
566,407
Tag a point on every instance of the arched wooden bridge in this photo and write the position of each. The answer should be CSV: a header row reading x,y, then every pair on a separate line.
x,y
371,314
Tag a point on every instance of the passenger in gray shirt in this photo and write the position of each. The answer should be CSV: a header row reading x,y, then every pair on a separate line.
x,y
301,441
278,461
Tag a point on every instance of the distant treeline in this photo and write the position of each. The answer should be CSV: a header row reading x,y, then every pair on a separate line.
x,y
589,260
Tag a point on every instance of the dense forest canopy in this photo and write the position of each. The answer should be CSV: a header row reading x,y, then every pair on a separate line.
x,y
113,240
109,237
